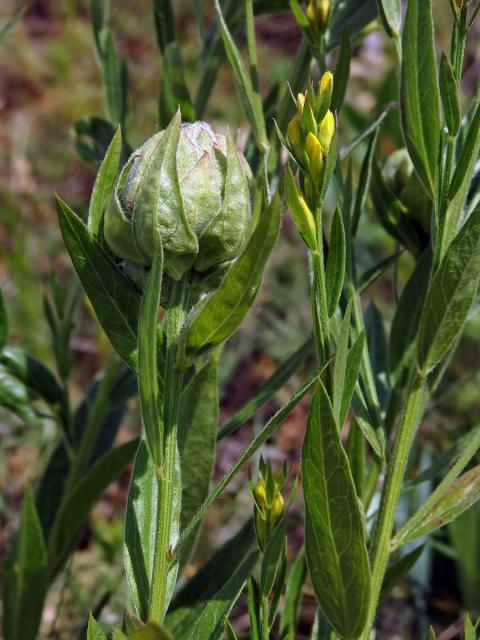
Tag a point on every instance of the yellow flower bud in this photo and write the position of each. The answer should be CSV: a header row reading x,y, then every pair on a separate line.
x,y
315,154
276,511
260,494
295,137
300,103
326,131
326,83
301,213
317,15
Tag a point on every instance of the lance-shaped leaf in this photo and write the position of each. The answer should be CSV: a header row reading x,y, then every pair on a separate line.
x,y
335,544
342,71
150,631
461,181
219,315
463,493
419,95
84,495
36,377
399,570
174,93
335,274
210,623
249,96
148,387
197,436
390,12
293,593
25,577
451,294
143,516
114,299
104,184
449,95
404,327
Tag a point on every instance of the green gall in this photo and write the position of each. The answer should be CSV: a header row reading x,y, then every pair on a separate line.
x,y
193,185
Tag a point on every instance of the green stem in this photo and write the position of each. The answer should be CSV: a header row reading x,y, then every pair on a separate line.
x,y
166,474
321,324
265,627
380,547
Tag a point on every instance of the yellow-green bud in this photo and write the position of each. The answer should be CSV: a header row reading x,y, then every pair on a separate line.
x,y
194,186
301,214
260,494
324,95
318,12
276,512
316,158
326,131
300,103
295,137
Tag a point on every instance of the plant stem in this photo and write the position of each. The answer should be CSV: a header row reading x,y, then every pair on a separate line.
x,y
265,627
380,547
167,473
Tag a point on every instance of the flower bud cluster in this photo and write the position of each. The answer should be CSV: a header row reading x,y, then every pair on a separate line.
x,y
308,140
269,503
318,12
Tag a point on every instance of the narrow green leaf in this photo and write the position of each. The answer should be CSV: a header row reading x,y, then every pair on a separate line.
x,y
378,353
271,559
94,630
148,387
406,320
15,397
449,95
117,634
104,184
354,360
3,322
370,276
174,93
431,634
335,274
335,544
451,294
92,137
210,623
364,181
249,97
112,76
355,450
399,570
253,599
463,493
25,579
293,595
390,12
419,95
114,299
84,495
300,17
36,377
222,312
461,180
140,529
268,389
342,71
340,363
197,431
164,23
211,577
365,133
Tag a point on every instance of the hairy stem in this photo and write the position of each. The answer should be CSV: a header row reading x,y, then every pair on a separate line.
x,y
167,472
